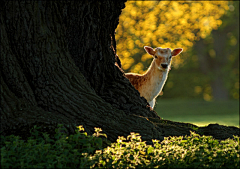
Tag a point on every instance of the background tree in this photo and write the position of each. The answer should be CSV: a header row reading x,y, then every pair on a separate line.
x,y
165,24
203,65
181,24
220,58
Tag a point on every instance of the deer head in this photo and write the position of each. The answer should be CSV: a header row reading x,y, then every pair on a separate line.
x,y
163,56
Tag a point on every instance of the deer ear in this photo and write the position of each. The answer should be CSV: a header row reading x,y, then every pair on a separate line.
x,y
149,50
176,51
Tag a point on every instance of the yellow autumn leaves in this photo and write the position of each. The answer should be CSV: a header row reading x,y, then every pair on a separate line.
x,y
163,24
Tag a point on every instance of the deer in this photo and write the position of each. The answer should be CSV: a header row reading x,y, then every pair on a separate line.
x,y
150,84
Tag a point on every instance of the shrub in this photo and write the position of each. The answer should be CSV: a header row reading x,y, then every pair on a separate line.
x,y
192,151
83,151
44,152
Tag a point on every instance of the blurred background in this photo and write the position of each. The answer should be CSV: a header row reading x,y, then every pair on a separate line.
x,y
203,84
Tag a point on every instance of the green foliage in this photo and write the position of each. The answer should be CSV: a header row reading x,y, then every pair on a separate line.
x,y
41,152
171,24
83,151
187,82
182,24
226,60
174,152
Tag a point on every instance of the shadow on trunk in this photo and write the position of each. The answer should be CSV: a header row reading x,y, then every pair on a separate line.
x,y
59,66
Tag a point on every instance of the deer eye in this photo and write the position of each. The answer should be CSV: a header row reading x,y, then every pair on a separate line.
x,y
170,57
155,56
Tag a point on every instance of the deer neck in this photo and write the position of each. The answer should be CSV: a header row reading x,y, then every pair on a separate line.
x,y
154,72
156,80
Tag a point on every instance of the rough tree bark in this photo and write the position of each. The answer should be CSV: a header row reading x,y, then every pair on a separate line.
x,y
59,66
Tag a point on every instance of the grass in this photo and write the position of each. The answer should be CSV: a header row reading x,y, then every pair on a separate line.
x,y
199,112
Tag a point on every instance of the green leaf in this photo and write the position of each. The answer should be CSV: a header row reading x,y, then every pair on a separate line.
x,y
150,150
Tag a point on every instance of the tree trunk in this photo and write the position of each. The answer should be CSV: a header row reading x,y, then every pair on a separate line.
x,y
220,42
212,65
59,66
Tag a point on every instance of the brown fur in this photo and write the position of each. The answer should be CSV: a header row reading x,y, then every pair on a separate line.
x,y
151,83
137,80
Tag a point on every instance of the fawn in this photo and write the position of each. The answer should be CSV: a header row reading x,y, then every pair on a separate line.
x,y
151,83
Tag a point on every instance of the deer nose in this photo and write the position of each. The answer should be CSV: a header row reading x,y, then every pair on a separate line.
x,y
164,65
